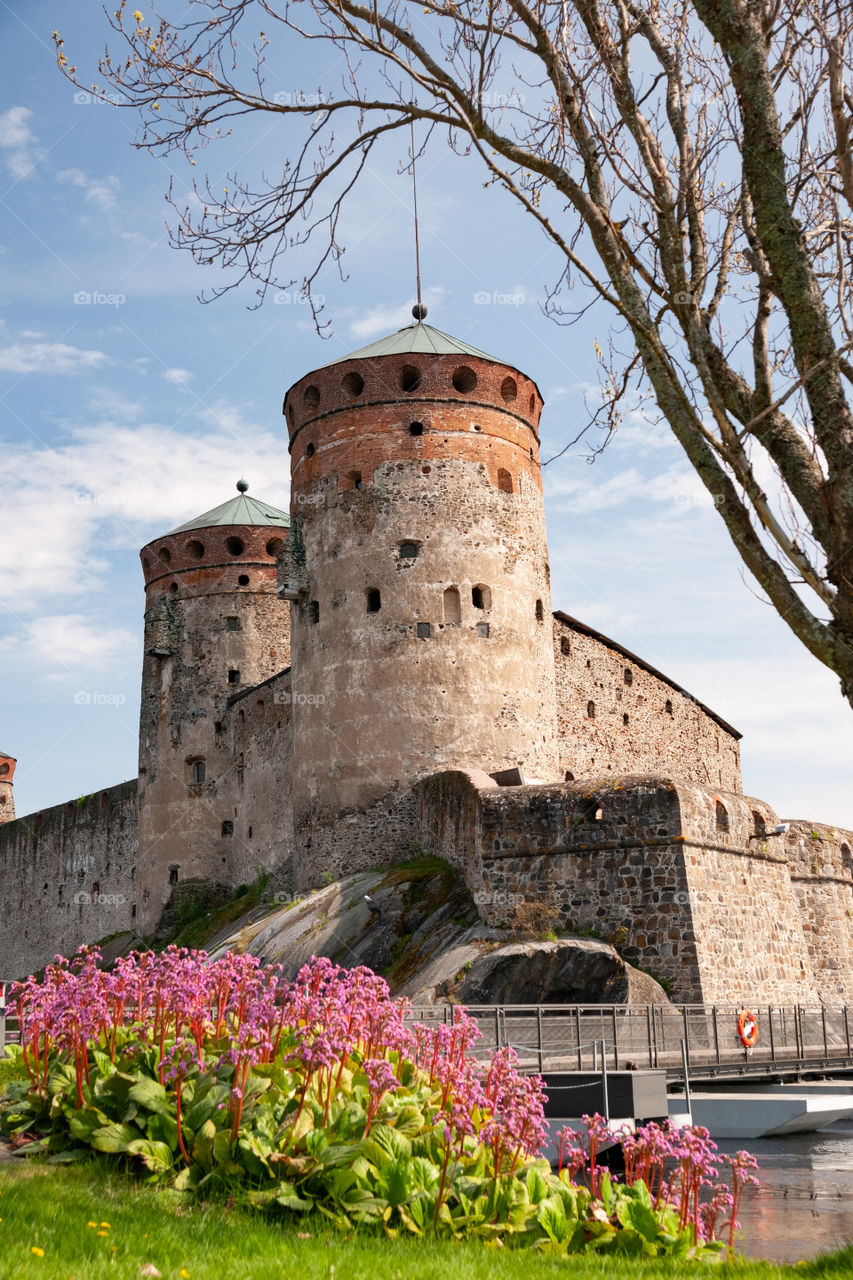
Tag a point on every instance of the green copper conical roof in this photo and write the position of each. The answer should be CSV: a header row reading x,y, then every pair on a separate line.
x,y
240,510
418,338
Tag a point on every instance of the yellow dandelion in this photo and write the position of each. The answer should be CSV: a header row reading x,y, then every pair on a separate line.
x,y
185,1275
106,1224
37,1251
102,1233
92,1224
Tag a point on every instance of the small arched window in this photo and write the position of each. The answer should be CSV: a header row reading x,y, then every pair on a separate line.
x,y
314,611
353,480
165,555
409,550
236,546
195,548
481,596
274,546
668,706
565,645
410,378
509,389
374,600
759,826
311,397
722,815
309,450
540,611
628,676
625,717
464,379
353,384
504,481
452,607
590,711
198,771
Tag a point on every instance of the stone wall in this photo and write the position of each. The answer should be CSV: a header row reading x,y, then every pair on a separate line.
x,y
665,870
258,726
821,868
618,715
69,877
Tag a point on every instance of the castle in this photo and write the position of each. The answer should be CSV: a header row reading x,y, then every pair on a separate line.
x,y
381,669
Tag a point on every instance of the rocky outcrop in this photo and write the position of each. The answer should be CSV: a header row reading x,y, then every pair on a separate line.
x,y
418,926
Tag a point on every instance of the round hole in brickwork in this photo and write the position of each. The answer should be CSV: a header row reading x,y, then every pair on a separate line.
x,y
274,546
146,564
426,470
309,451
569,776
311,397
464,379
353,384
410,378
174,588
195,548
416,428
509,389
165,555
243,580
236,546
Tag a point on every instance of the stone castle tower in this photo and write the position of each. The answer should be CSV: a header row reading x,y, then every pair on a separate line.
x,y
213,627
422,636
7,799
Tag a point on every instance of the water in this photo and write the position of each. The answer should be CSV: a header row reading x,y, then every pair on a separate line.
x,y
805,1203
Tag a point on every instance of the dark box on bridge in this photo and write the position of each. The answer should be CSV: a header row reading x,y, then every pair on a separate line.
x,y
631,1095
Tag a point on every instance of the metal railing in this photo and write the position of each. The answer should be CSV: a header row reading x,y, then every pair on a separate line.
x,y
790,1038
9,1031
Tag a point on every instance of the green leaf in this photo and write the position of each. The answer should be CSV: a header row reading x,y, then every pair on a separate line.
x,y
114,1138
222,1147
84,1122
394,1182
633,1213
155,1155
608,1199
203,1146
151,1095
392,1142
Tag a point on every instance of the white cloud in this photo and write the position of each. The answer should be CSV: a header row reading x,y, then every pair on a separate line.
x,y
178,377
18,140
386,318
102,192
111,487
68,644
48,357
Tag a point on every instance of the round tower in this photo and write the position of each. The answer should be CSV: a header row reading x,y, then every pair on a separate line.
x,y
421,619
7,799
213,629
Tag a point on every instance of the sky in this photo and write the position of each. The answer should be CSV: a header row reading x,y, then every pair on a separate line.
x,y
128,406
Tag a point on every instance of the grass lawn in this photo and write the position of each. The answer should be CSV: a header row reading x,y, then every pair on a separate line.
x,y
50,1209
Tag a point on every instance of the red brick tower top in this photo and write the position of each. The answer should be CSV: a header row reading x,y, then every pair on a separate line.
x,y
7,773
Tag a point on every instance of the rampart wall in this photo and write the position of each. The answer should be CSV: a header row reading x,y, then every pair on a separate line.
x,y
684,880
69,877
618,715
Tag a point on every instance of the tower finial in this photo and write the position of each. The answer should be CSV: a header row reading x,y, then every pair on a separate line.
x,y
242,486
419,310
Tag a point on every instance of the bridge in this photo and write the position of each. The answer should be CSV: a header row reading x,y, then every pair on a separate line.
x,y
699,1042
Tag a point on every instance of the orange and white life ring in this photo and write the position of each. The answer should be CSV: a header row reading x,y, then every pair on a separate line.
x,y
747,1029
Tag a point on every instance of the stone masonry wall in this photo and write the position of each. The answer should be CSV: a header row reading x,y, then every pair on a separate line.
x,y
821,869
258,730
641,863
69,877
618,716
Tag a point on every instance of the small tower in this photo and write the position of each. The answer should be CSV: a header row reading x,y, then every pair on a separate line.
x,y
7,799
213,627
421,623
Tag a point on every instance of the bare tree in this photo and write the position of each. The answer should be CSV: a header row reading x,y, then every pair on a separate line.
x,y
689,159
